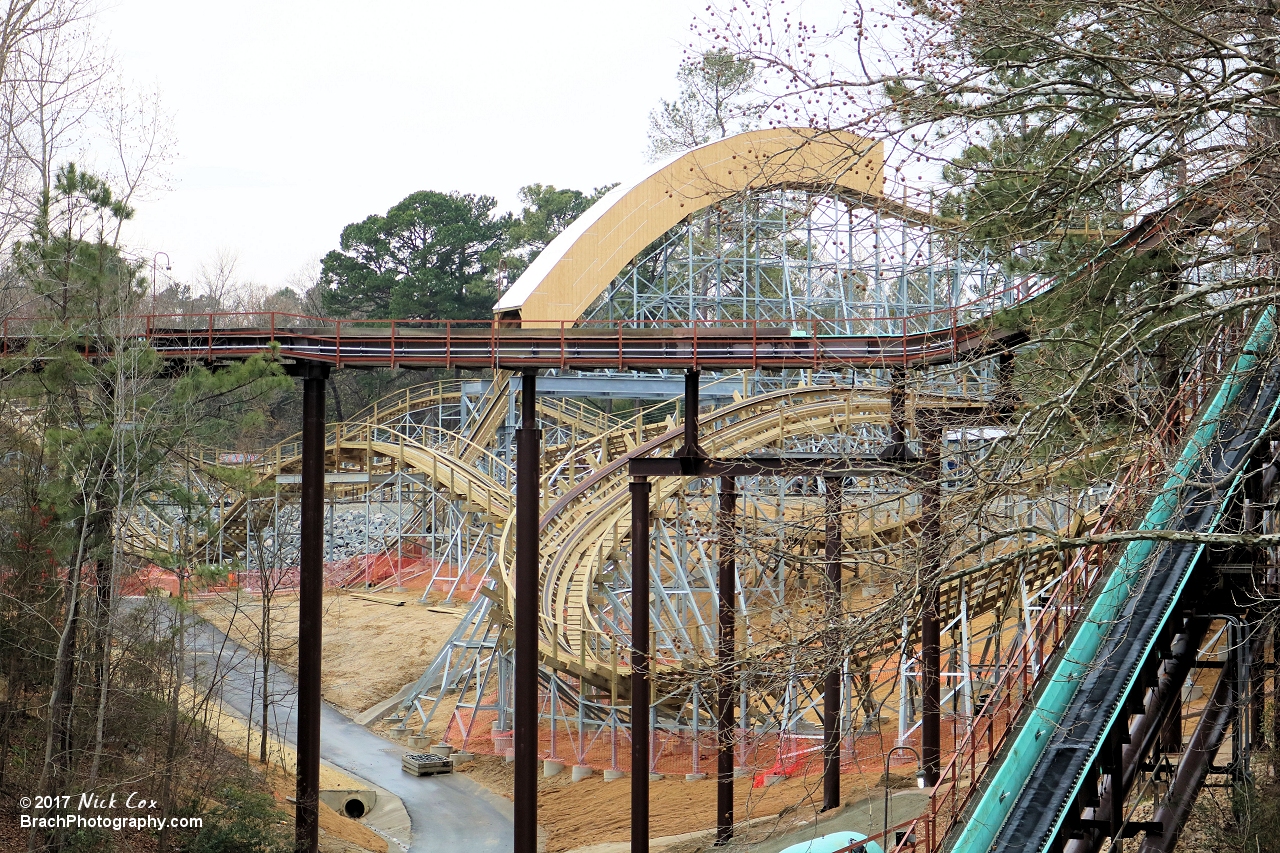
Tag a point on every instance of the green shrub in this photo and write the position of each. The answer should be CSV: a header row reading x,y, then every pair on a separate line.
x,y
246,822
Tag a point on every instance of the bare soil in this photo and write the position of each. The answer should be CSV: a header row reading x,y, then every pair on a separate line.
x,y
370,649
576,814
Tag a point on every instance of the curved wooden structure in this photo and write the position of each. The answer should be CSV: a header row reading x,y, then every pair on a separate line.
x,y
581,262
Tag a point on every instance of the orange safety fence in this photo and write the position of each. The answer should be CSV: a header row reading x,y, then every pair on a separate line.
x,y
605,744
364,571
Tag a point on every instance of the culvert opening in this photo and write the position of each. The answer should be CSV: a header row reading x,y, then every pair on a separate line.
x,y
354,808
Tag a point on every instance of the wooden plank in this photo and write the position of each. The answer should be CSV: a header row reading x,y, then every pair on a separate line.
x,y
380,599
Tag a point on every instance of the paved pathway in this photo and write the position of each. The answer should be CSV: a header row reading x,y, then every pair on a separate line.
x,y
448,813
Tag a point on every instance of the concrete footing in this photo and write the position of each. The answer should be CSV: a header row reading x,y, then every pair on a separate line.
x,y
656,777
551,768
460,758
419,740
772,779
613,775
581,771
694,777
441,749
509,754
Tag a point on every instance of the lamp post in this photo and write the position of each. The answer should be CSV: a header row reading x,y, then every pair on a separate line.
x,y
884,838
154,259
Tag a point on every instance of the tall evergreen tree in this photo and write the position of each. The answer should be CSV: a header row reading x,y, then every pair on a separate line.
x,y
430,256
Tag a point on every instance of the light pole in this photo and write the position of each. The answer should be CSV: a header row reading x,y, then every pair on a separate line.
x,y
167,267
884,838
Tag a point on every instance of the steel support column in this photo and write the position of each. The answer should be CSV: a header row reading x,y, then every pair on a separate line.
x,y
691,387
1006,400
930,626
1217,717
831,684
525,706
897,449
310,607
690,453
639,665
725,653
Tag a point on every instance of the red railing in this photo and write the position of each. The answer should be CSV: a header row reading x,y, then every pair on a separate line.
x,y
946,336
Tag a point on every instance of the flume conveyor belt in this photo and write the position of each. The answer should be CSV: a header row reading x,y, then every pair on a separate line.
x,y
1030,794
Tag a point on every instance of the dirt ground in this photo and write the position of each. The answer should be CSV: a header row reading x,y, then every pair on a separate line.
x,y
371,650
576,814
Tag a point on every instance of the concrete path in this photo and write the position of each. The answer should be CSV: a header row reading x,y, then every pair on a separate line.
x,y
448,813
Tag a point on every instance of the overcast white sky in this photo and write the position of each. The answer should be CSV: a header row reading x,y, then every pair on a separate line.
x,y
294,119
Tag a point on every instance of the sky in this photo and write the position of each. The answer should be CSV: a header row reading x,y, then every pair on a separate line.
x,y
294,119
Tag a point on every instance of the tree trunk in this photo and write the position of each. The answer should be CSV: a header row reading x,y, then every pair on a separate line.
x,y
60,706
171,745
264,649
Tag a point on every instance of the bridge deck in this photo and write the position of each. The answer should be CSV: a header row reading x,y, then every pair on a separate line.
x,y
501,345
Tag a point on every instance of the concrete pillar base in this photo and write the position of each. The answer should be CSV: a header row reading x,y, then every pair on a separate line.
x,y
509,754
460,758
694,777
613,775
581,771
551,768
656,777
419,740
772,779
441,749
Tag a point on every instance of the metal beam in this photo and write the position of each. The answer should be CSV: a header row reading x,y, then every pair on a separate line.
x,y
1218,715
834,465
831,684
310,609
725,654
930,624
624,387
639,665
528,453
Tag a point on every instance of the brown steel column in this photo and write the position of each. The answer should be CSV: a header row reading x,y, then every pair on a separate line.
x,y
831,684
930,627
310,608
528,453
897,448
725,653
1257,687
639,665
1006,401
691,380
